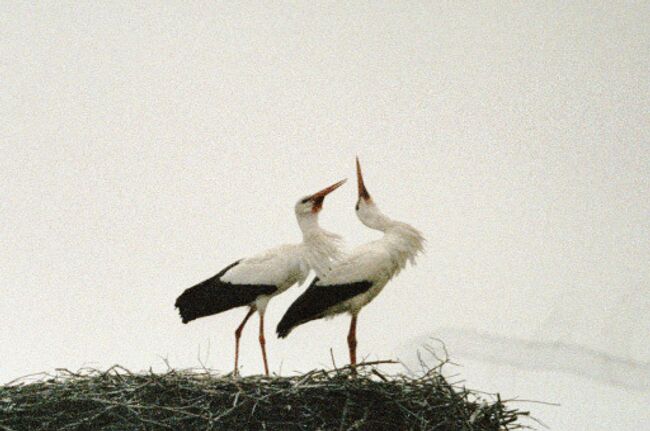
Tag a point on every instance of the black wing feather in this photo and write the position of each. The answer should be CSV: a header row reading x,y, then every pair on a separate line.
x,y
213,296
316,300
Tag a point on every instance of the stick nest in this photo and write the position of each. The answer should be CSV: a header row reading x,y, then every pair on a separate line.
x,y
338,399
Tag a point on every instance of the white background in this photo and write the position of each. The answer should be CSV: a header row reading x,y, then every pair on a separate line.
x,y
145,147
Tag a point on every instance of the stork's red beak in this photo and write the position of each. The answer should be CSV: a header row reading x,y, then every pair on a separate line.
x,y
363,192
318,197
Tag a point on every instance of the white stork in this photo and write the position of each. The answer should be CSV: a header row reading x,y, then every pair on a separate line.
x,y
255,280
358,278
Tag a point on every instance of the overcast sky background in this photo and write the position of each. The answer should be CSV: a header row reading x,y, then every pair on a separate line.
x,y
143,147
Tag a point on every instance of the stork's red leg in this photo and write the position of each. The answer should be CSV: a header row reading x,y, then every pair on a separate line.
x,y
240,328
263,344
352,342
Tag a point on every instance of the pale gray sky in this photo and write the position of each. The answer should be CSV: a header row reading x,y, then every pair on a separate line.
x,y
146,146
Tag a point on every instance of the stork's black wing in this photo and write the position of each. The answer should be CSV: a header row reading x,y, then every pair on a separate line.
x,y
213,296
316,300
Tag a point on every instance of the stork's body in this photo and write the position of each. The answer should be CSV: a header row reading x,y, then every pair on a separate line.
x,y
358,278
254,281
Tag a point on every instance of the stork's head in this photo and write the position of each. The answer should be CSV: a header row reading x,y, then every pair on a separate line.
x,y
312,204
365,208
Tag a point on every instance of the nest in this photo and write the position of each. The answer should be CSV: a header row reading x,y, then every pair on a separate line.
x,y
339,399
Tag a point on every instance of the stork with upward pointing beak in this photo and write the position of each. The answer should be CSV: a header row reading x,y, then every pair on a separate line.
x,y
253,281
358,278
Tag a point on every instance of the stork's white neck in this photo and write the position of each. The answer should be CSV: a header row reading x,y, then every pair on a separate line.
x,y
371,216
308,223
321,248
402,240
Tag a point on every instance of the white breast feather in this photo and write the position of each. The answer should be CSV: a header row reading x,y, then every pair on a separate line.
x,y
378,261
368,262
321,251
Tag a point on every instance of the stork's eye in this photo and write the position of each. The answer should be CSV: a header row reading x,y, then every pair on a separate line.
x,y
356,207
304,201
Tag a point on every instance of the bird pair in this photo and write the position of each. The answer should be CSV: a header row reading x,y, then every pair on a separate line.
x,y
344,283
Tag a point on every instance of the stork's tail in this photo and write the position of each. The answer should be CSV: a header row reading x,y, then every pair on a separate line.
x,y
317,301
285,326
292,318
199,301
213,296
